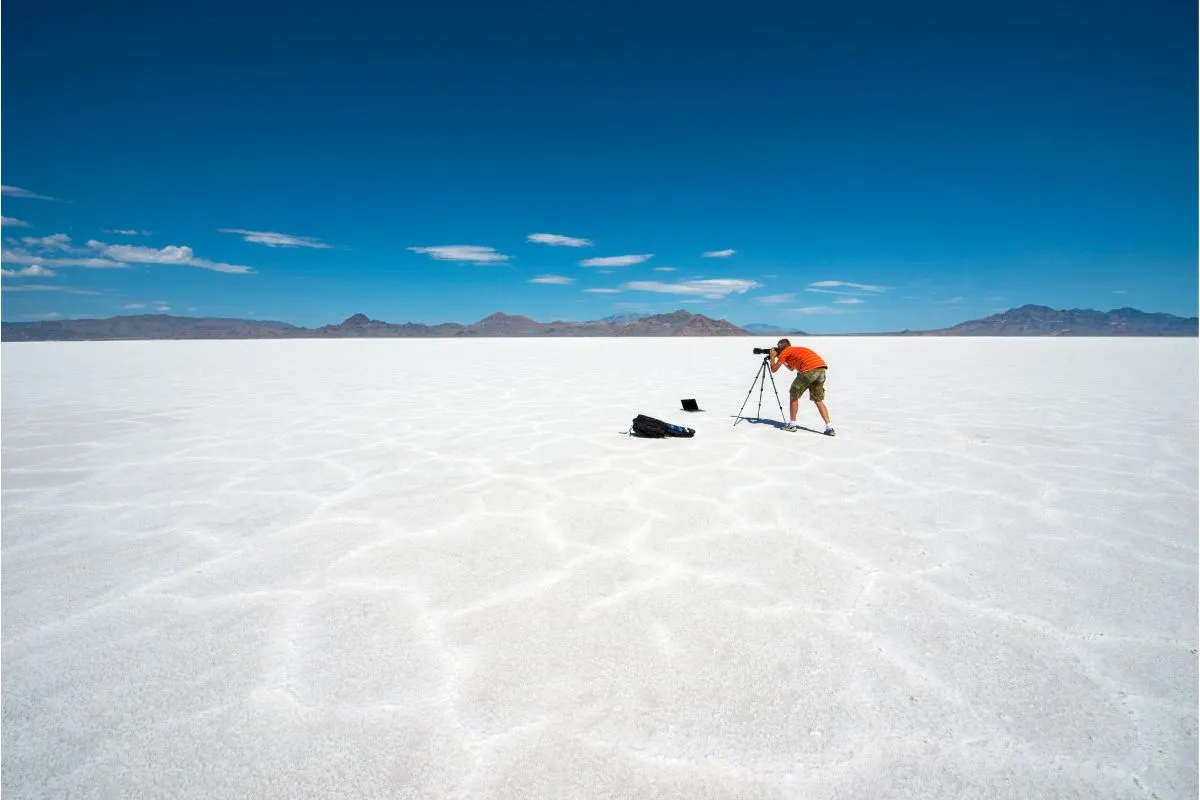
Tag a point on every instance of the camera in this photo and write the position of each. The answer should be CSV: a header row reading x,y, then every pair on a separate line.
x,y
763,351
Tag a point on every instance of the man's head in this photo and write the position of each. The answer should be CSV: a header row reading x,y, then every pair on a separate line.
x,y
782,343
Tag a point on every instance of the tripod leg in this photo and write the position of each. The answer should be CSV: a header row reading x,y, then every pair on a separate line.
x,y
762,384
776,388
757,379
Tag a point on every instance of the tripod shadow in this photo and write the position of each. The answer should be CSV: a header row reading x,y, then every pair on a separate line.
x,y
774,423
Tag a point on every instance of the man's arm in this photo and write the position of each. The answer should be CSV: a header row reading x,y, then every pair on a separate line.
x,y
775,362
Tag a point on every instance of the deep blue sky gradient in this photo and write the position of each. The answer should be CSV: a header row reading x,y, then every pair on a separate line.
x,y
959,158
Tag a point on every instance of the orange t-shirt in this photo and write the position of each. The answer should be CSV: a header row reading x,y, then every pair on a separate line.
x,y
801,359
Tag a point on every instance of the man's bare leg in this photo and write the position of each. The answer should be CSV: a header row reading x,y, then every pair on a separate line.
x,y
820,407
794,407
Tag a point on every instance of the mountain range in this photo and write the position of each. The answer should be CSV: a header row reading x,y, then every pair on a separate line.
x,y
1033,320
1028,320
163,326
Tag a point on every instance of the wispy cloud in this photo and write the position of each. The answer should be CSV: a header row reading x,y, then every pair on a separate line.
x,y
774,299
839,292
45,287
953,300
127,232
1120,291
57,241
666,269
603,291
712,289
558,240
845,288
271,239
558,280
16,191
22,257
850,300
866,287
11,222
817,310
616,261
719,253
172,255
35,271
58,251
462,252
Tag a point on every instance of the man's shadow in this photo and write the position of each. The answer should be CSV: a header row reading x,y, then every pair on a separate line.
x,y
774,423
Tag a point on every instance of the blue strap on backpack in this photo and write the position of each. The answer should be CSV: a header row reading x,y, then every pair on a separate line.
x,y
680,431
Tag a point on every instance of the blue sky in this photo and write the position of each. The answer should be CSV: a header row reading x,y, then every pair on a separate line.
x,y
828,167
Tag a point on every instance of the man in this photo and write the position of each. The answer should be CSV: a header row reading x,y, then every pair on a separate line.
x,y
810,376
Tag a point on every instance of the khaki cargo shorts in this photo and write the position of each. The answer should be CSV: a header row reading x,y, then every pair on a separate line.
x,y
813,381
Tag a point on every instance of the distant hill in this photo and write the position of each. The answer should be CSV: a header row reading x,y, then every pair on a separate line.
x,y
771,330
147,326
617,319
360,326
680,323
163,326
1033,320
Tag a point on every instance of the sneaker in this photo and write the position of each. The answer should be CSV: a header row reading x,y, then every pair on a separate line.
x,y
792,426
830,432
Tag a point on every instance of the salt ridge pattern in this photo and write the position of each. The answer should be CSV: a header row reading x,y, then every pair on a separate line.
x,y
443,569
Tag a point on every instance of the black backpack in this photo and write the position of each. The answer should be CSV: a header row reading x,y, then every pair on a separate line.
x,y
657,429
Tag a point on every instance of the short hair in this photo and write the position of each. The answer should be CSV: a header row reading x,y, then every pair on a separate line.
x,y
782,343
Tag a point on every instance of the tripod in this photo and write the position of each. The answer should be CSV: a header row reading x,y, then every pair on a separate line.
x,y
760,378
